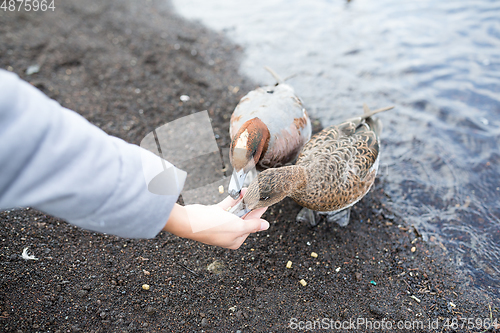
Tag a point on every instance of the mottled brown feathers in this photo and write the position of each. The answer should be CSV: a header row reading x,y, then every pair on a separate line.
x,y
335,169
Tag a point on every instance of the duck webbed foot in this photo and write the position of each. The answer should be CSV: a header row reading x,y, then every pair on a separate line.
x,y
342,217
307,215
312,217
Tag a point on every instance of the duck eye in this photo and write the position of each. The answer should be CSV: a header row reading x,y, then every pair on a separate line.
x,y
270,91
264,198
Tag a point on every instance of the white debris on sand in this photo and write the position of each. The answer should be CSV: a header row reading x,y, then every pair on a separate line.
x,y
27,256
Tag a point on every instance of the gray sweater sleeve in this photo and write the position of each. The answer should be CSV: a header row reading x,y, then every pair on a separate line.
x,y
54,160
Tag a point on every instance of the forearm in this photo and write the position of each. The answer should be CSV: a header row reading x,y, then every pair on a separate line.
x,y
178,222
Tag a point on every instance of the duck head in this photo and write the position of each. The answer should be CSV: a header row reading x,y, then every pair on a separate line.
x,y
270,187
247,147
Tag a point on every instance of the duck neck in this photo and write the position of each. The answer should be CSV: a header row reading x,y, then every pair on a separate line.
x,y
293,178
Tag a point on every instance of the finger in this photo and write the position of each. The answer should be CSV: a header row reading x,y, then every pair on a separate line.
x,y
254,225
228,202
255,214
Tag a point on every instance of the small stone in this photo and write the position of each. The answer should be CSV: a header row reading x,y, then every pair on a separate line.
x,y
314,254
216,267
33,69
145,286
204,322
86,287
202,315
58,287
337,269
358,276
376,310
150,310
413,249
184,98
303,282
221,189
82,293
239,314
103,315
289,264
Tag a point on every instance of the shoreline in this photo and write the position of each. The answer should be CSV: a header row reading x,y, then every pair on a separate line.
x,y
107,62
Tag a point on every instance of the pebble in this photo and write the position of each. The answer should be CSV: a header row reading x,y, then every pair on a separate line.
x,y
33,69
145,286
221,189
413,249
82,293
358,276
150,310
303,282
376,310
314,254
289,264
184,98
204,322
216,267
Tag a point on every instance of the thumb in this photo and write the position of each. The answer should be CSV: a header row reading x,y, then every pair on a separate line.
x,y
255,225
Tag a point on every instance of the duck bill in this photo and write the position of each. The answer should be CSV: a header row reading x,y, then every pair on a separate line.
x,y
240,209
236,183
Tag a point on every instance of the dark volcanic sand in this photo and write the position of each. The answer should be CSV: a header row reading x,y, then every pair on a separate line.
x,y
107,62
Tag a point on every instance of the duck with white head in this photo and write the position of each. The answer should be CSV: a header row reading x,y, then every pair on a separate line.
x,y
268,129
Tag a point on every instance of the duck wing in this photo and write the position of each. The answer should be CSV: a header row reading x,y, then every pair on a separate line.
x,y
341,163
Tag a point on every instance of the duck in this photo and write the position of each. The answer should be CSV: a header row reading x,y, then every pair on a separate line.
x,y
268,129
335,169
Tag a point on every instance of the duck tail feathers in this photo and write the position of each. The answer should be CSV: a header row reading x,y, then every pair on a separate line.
x,y
368,113
273,73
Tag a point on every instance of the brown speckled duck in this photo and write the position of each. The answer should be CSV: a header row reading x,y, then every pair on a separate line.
x,y
335,169
268,129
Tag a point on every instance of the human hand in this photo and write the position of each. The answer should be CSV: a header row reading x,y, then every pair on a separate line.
x,y
214,225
